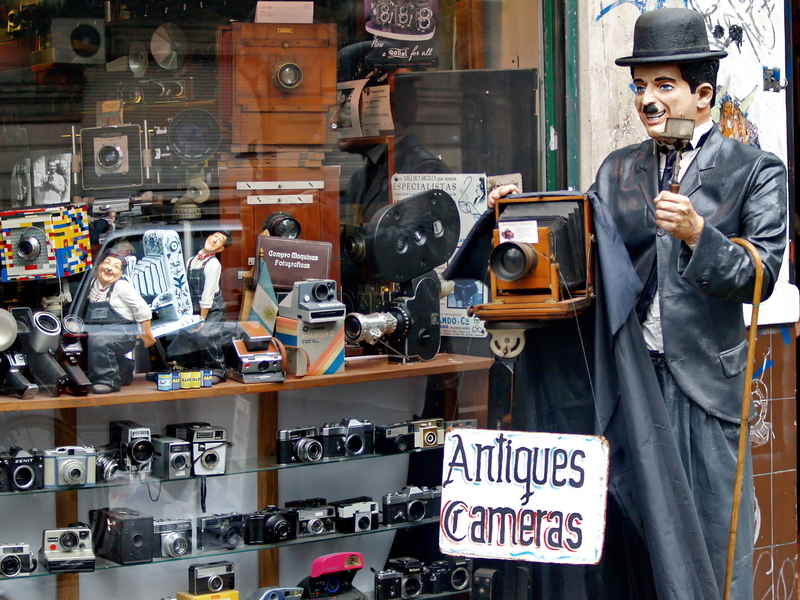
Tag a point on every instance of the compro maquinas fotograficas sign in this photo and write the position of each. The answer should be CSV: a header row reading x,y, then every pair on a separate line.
x,y
516,495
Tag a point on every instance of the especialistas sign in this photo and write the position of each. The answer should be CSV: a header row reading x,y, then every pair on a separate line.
x,y
538,497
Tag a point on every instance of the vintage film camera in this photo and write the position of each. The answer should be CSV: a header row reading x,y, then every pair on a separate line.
x,y
111,157
411,571
172,457
122,535
12,365
314,516
277,593
451,574
411,504
224,531
208,578
300,444
349,437
428,433
541,264
107,462
68,549
313,301
356,514
388,584
271,524
136,449
16,560
403,243
332,574
172,537
391,439
70,465
209,445
23,469
256,357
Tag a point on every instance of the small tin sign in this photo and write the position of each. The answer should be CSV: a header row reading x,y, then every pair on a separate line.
x,y
539,497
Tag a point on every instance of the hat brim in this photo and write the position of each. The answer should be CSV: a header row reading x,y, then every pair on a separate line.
x,y
629,61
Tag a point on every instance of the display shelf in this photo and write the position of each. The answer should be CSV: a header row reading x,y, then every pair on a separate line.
x,y
235,467
212,555
359,371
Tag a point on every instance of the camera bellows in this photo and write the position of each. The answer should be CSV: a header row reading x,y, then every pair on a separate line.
x,y
521,249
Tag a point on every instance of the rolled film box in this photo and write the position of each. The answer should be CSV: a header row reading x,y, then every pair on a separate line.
x,y
324,343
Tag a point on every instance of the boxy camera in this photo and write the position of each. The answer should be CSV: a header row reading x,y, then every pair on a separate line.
x,y
111,157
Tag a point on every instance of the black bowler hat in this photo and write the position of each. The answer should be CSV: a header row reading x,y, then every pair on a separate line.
x,y
669,35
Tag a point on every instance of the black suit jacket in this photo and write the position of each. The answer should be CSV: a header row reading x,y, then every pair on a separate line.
x,y
740,191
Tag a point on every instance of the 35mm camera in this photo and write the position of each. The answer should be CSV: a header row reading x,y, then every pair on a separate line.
x,y
16,560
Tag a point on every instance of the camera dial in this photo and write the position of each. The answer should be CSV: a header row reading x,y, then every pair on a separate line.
x,y
11,565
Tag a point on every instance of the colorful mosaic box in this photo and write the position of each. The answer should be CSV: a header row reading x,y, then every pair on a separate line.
x,y
46,242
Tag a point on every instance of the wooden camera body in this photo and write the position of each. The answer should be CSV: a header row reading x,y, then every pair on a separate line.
x,y
542,262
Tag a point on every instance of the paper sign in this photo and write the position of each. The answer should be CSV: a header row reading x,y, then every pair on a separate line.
x,y
538,497
285,12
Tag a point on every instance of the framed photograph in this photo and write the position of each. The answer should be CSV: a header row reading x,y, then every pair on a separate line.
x,y
20,191
51,177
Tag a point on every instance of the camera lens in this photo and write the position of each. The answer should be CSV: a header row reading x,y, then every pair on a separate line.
x,y
278,528
179,461
287,76
459,578
355,247
85,40
24,477
174,545
28,248
141,451
68,540
10,565
273,596
230,536
109,157
316,526
107,467
354,444
412,587
137,540
308,450
401,443
333,585
364,523
431,437
215,583
320,291
416,510
283,225
511,261
209,459
72,472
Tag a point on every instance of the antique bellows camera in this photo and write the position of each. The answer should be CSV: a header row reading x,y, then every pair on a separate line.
x,y
541,261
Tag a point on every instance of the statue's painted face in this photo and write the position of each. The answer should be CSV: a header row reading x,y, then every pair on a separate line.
x,y
661,93
215,243
109,271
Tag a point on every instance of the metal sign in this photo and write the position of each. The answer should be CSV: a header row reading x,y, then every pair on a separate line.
x,y
538,497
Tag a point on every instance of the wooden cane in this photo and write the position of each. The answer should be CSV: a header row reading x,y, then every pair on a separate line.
x,y
743,426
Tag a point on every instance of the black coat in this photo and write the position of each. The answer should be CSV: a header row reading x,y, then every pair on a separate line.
x,y
740,191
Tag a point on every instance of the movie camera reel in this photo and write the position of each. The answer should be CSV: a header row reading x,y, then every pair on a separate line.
x,y
404,242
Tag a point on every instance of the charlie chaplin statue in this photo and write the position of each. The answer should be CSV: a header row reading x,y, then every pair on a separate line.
x,y
694,282
117,316
204,346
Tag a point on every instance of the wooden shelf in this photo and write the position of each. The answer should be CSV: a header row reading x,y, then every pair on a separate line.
x,y
360,371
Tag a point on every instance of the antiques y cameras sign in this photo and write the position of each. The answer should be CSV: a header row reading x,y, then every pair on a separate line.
x,y
539,497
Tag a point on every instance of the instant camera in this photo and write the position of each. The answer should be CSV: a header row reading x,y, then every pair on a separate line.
x,y
404,242
256,356
332,574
